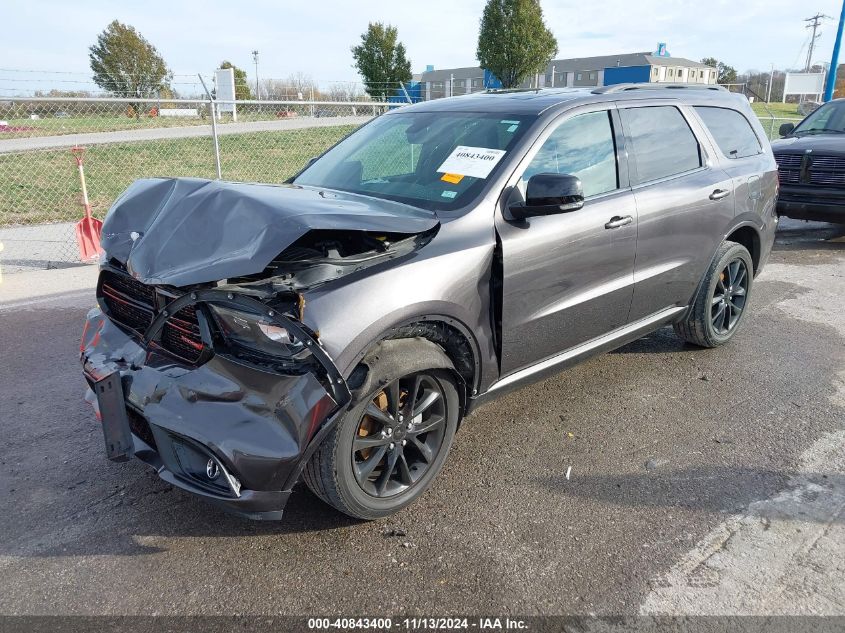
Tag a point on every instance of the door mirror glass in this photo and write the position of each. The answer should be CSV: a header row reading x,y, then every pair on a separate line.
x,y
786,129
548,194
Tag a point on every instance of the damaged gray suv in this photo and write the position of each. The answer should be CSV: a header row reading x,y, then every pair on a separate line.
x,y
337,328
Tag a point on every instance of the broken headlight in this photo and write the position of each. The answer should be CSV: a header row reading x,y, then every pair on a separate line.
x,y
256,333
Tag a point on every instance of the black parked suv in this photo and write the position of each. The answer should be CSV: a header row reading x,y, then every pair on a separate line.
x,y
811,165
337,328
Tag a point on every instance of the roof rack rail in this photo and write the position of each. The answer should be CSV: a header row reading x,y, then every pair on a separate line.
x,y
650,86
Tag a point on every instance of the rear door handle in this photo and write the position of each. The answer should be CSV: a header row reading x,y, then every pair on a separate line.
x,y
616,221
719,194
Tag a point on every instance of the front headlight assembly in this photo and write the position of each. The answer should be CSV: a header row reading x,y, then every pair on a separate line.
x,y
256,333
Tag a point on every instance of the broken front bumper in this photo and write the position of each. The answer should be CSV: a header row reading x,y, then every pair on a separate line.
x,y
231,433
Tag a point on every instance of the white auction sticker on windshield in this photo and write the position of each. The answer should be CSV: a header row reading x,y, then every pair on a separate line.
x,y
476,162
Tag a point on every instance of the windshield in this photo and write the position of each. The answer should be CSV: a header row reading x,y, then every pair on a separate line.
x,y
829,118
434,160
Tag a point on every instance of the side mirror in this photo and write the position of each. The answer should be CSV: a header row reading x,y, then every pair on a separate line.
x,y
786,129
548,194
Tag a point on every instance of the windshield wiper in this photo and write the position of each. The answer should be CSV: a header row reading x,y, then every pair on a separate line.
x,y
818,130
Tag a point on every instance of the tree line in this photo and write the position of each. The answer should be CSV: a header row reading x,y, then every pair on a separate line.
x,y
514,44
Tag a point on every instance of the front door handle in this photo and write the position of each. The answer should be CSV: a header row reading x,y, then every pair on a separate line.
x,y
719,194
616,221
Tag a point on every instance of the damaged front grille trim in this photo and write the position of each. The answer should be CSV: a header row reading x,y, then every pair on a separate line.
x,y
133,305
337,386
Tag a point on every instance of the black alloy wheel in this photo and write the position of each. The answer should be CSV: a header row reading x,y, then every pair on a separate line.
x,y
394,439
399,435
720,305
729,296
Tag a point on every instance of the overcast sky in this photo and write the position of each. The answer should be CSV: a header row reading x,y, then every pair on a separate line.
x,y
315,36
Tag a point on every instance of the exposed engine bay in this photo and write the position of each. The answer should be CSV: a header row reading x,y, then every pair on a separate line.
x,y
320,256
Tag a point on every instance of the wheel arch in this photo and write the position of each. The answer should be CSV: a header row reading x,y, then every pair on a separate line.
x,y
456,340
745,233
749,236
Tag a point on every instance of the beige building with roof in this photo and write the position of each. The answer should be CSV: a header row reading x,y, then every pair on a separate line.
x,y
604,70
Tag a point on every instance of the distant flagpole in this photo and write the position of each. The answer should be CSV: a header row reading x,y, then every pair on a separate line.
x,y
834,60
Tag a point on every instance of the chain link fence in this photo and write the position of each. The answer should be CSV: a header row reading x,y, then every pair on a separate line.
x,y
772,125
126,139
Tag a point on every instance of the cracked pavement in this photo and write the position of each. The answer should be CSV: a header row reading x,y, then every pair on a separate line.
x,y
740,509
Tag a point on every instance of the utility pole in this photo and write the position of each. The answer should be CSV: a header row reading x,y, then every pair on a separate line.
x,y
257,89
814,23
834,61
771,81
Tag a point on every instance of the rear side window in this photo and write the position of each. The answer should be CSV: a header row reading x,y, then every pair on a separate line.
x,y
663,142
732,131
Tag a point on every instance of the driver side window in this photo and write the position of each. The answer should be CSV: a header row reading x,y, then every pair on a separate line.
x,y
582,146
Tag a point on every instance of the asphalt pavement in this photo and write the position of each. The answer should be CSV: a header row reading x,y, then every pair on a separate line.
x,y
701,482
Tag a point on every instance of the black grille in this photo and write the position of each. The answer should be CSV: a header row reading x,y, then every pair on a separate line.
x,y
789,168
133,304
130,302
811,169
828,178
140,427
828,163
789,161
827,171
181,335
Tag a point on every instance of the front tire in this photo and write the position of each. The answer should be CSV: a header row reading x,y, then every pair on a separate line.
x,y
721,303
393,442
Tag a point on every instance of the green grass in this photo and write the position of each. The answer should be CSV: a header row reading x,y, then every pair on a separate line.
x,y
776,114
779,110
43,185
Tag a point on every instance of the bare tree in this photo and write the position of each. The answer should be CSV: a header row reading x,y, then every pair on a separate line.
x,y
345,91
302,83
291,88
275,89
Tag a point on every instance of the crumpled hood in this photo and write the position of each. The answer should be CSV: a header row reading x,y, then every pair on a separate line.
x,y
827,143
190,230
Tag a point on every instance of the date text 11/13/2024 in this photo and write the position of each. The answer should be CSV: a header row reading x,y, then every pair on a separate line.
x,y
418,624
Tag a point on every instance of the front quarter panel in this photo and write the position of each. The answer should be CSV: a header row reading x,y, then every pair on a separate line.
x,y
448,279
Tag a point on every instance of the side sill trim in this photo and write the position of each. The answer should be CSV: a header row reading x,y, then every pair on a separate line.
x,y
561,358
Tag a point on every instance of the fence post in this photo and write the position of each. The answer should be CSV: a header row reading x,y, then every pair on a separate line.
x,y
213,111
772,129
407,96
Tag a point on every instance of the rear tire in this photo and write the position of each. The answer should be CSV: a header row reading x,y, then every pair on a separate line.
x,y
394,440
721,304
